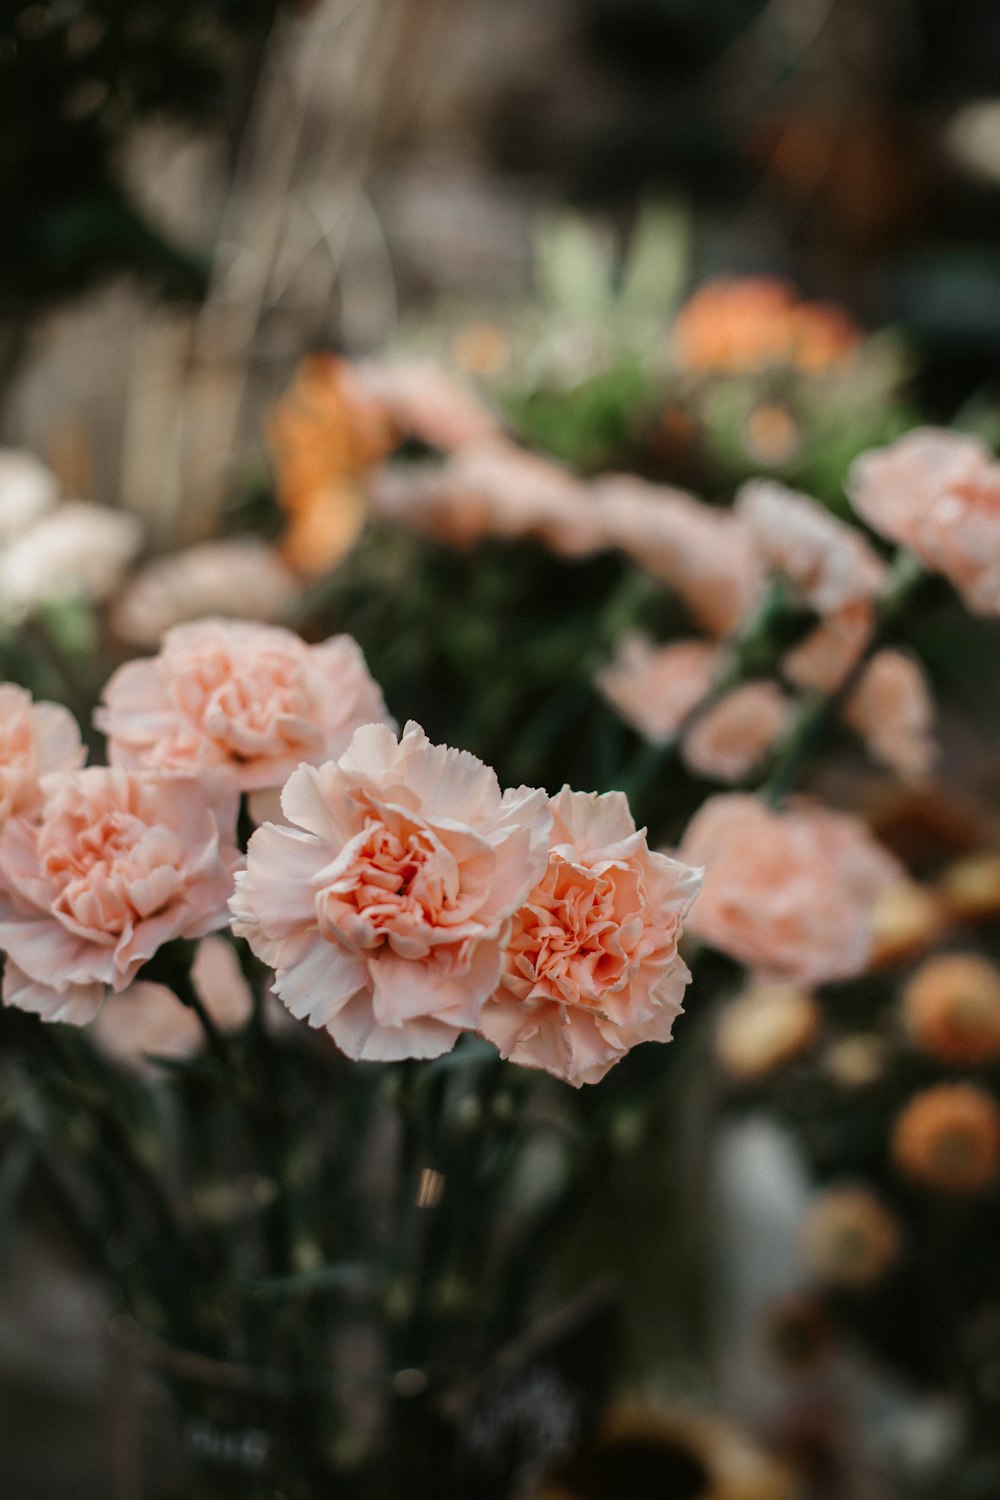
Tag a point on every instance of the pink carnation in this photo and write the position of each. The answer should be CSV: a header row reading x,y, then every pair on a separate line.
x,y
253,698
705,555
148,1020
732,737
832,649
829,562
655,688
425,401
592,966
113,865
385,908
938,493
893,711
492,489
788,894
35,739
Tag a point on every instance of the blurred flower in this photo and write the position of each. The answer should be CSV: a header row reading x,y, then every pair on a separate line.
x,y
856,1061
829,562
732,737
893,711
481,349
788,894
28,490
938,493
253,698
906,919
147,1020
591,967
771,435
35,739
493,489
970,887
740,325
765,1028
655,688
113,865
242,577
849,1237
75,551
423,401
325,434
948,1138
951,1007
385,908
705,555
823,659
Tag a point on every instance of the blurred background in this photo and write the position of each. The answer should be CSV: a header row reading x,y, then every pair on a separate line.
x,y
196,197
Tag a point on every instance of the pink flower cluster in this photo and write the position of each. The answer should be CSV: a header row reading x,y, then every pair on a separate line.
x,y
410,899
406,899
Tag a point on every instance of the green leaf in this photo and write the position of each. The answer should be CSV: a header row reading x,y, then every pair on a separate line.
x,y
575,264
656,270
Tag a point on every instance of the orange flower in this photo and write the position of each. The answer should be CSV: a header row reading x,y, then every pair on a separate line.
x,y
948,1138
736,326
768,1026
952,1008
971,887
325,433
849,1237
906,919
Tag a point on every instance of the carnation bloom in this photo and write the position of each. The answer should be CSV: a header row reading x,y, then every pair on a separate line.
x,y
112,866
892,710
75,551
655,688
951,1007
494,489
35,739
849,1237
832,649
385,908
732,737
147,1020
948,1138
705,555
253,698
424,401
788,894
241,577
765,1028
739,325
27,490
592,967
938,493
829,562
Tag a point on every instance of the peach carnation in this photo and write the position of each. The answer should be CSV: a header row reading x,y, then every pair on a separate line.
x,y
732,737
384,909
113,865
35,739
788,894
148,1021
655,688
253,698
241,577
829,562
426,402
592,966
938,493
892,710
948,1138
705,555
494,489
829,652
